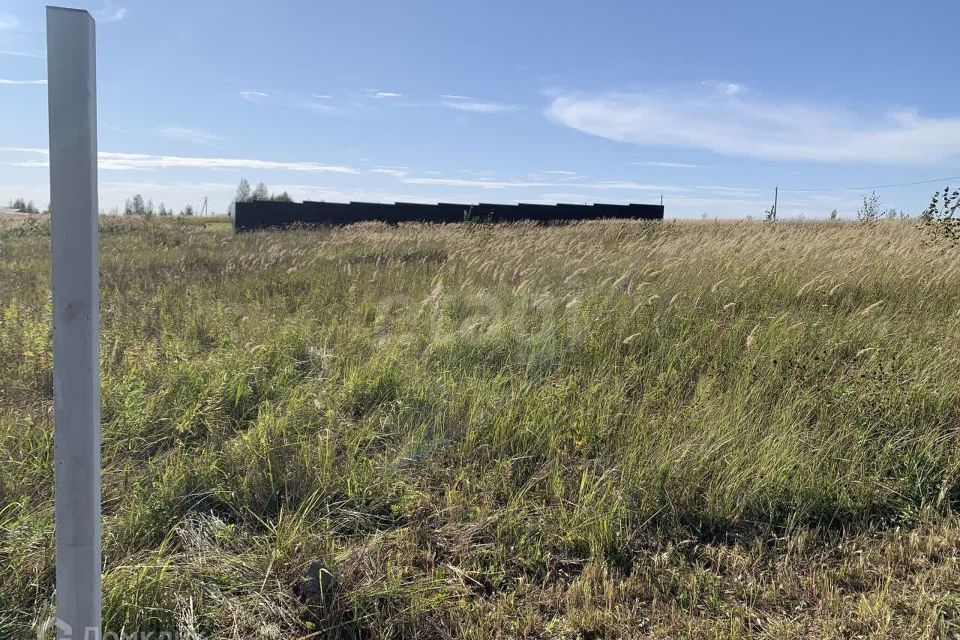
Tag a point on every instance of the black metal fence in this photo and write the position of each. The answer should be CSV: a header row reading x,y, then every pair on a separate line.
x,y
267,214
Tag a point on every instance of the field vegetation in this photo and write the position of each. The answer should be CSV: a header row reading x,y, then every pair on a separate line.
x,y
601,430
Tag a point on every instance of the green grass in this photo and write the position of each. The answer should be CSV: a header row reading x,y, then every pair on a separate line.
x,y
603,430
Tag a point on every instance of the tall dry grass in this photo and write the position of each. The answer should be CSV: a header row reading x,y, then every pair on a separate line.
x,y
611,429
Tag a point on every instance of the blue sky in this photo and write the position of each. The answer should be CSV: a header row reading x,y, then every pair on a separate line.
x,y
710,104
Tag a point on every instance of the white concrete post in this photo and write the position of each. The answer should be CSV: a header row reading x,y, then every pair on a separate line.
x,y
72,102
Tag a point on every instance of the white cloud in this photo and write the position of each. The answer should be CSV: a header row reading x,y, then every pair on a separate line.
x,y
9,22
566,176
463,103
22,82
743,123
141,161
322,108
28,163
625,185
111,13
397,172
727,88
482,184
190,134
128,161
20,54
150,186
374,93
668,165
318,103
741,192
489,183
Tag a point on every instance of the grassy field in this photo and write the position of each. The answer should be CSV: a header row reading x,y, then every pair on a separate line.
x,y
604,430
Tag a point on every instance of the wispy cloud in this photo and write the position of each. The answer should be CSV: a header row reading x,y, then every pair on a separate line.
x,y
491,183
22,82
732,191
127,161
37,150
20,54
314,105
9,22
145,186
626,185
482,184
740,122
190,134
142,161
396,172
374,93
463,103
668,165
727,88
556,174
111,13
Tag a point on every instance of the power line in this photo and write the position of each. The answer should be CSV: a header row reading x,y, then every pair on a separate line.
x,y
876,186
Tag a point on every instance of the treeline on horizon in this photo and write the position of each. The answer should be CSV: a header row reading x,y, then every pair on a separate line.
x,y
142,207
869,211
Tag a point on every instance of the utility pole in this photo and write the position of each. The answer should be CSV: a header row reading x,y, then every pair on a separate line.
x,y
72,109
776,194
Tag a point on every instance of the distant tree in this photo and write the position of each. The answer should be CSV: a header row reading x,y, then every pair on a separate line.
x,y
870,211
163,211
834,215
187,210
243,191
24,207
135,206
260,193
281,197
941,219
148,210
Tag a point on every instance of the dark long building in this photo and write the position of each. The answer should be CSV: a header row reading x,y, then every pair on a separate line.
x,y
269,214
